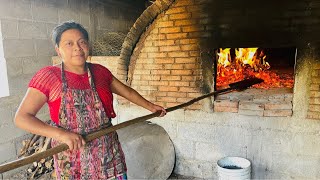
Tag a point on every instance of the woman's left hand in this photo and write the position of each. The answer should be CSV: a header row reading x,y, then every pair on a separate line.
x,y
156,108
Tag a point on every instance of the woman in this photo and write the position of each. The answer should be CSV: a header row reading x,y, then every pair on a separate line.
x,y
79,95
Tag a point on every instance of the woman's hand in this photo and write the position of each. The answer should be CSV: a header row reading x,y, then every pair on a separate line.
x,y
73,140
155,108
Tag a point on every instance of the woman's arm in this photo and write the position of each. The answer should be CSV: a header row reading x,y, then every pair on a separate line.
x,y
26,119
127,92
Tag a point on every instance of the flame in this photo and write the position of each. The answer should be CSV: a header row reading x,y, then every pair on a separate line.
x,y
248,62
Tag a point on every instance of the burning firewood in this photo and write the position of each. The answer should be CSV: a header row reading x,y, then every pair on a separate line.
x,y
33,145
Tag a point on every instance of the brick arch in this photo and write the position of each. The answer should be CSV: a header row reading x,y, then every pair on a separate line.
x,y
168,65
138,28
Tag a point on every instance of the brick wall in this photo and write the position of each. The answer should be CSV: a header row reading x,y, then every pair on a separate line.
x,y
166,66
314,100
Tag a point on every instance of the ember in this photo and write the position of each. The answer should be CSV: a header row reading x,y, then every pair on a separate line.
x,y
242,63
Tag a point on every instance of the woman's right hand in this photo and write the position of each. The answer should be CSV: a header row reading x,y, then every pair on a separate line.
x,y
73,140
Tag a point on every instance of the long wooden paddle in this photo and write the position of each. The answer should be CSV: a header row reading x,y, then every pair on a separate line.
x,y
241,85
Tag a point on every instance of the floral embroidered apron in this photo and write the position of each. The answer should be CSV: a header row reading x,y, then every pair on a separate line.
x,y
82,112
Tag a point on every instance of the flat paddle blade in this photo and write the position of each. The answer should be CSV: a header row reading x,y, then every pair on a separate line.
x,y
244,84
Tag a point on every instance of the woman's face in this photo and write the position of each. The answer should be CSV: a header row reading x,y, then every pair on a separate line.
x,y
73,48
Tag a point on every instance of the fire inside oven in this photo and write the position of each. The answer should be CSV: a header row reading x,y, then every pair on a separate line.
x,y
274,65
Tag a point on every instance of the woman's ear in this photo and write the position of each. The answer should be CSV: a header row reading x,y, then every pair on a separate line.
x,y
58,51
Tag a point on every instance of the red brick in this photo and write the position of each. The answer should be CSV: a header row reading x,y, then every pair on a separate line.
x,y
158,83
314,107
165,24
226,103
191,66
187,41
314,94
176,10
181,72
152,66
177,94
178,54
313,115
160,72
164,60
278,105
178,83
190,47
173,66
170,30
314,101
186,22
171,78
170,48
315,80
277,113
164,43
225,109
315,87
185,60
180,16
176,35
150,78
148,88
249,105
168,89
188,78
157,55
167,99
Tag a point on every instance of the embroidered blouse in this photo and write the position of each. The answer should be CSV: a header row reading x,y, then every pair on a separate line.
x,y
48,81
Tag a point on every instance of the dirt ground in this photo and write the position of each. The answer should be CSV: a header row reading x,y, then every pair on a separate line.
x,y
48,176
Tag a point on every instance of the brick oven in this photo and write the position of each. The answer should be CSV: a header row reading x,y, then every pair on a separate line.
x,y
170,57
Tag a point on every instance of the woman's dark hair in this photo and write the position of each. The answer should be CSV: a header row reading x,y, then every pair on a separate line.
x,y
58,30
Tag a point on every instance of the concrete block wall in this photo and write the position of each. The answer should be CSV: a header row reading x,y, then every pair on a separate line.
x,y
26,37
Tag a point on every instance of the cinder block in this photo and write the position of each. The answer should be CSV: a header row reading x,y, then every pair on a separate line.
x,y
14,66
44,47
18,48
37,63
35,30
45,14
9,29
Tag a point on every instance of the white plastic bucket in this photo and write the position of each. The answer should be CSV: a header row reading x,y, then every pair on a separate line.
x,y
234,168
